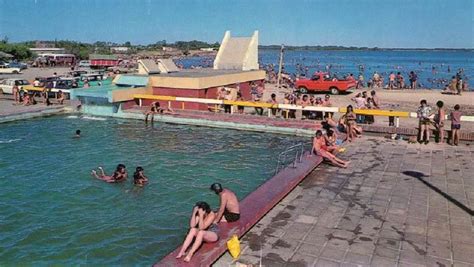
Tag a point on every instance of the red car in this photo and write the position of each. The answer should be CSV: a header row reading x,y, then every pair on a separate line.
x,y
321,82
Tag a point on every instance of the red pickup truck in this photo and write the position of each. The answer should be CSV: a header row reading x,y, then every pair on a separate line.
x,y
321,82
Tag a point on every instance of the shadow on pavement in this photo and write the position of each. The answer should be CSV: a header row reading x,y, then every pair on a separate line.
x,y
420,175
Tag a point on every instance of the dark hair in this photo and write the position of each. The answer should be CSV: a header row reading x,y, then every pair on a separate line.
x,y
216,187
204,206
422,102
273,95
440,104
78,132
372,92
136,175
457,107
318,133
349,107
330,132
157,104
120,167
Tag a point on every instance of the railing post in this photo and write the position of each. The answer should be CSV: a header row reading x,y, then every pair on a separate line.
x,y
169,104
231,109
140,102
182,105
397,122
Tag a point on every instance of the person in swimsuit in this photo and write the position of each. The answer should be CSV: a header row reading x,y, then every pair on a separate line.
x,y
139,178
202,229
320,148
156,109
350,123
439,121
229,210
455,125
119,175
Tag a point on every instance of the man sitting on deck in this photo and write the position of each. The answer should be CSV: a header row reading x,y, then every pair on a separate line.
x,y
229,210
320,148
155,109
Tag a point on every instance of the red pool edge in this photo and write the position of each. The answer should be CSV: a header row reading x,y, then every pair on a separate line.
x,y
253,208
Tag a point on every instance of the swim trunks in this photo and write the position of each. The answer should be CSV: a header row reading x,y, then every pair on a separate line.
x,y
213,228
230,216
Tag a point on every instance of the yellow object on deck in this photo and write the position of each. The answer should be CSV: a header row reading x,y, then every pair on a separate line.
x,y
233,245
32,88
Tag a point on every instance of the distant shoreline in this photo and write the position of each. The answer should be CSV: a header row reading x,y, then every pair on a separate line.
x,y
344,48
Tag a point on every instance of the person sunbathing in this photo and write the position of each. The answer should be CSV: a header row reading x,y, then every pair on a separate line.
x,y
320,148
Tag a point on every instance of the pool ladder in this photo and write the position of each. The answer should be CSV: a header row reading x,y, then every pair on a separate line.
x,y
298,151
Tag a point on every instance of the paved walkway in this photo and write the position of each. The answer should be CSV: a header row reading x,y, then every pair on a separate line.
x,y
398,204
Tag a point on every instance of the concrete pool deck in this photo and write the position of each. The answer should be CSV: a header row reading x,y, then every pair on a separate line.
x,y
397,204
10,112
253,207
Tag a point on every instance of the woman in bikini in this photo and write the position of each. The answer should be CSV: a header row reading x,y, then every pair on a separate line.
x,y
350,123
202,229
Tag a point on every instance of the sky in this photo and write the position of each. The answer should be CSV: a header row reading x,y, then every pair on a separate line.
x,y
371,23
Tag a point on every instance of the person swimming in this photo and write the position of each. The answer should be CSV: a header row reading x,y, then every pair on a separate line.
x,y
139,179
78,134
120,174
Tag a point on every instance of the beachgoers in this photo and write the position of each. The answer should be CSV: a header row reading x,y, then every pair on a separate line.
x,y
139,177
156,109
350,121
320,148
78,134
229,210
439,121
413,79
424,113
202,229
60,97
119,175
455,125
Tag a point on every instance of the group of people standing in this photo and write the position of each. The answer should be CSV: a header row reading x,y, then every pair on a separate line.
x,y
428,118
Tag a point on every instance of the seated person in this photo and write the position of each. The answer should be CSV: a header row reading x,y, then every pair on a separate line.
x,y
119,175
26,100
155,109
320,148
139,177
60,97
328,122
229,210
202,229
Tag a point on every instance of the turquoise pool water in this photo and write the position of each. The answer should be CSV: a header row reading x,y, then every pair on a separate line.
x,y
53,212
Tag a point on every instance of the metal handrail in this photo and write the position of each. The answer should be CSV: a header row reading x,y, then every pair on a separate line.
x,y
298,149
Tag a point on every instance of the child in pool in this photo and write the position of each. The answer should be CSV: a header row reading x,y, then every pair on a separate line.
x,y
139,178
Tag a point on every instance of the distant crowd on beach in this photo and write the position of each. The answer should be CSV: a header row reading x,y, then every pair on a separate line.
x,y
391,80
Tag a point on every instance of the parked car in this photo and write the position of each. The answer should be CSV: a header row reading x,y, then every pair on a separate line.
x,y
6,86
21,66
5,69
84,63
322,82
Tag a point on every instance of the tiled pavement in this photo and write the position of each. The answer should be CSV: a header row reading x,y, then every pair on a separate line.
x,y
397,204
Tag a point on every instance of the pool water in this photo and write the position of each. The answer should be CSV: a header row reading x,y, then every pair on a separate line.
x,y
53,212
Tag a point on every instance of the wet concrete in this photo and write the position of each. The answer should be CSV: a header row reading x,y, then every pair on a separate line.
x,y
397,204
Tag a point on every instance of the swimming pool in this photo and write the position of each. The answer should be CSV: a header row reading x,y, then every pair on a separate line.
x,y
53,212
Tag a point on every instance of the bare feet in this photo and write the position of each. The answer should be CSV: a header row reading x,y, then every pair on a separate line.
x,y
187,259
179,255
